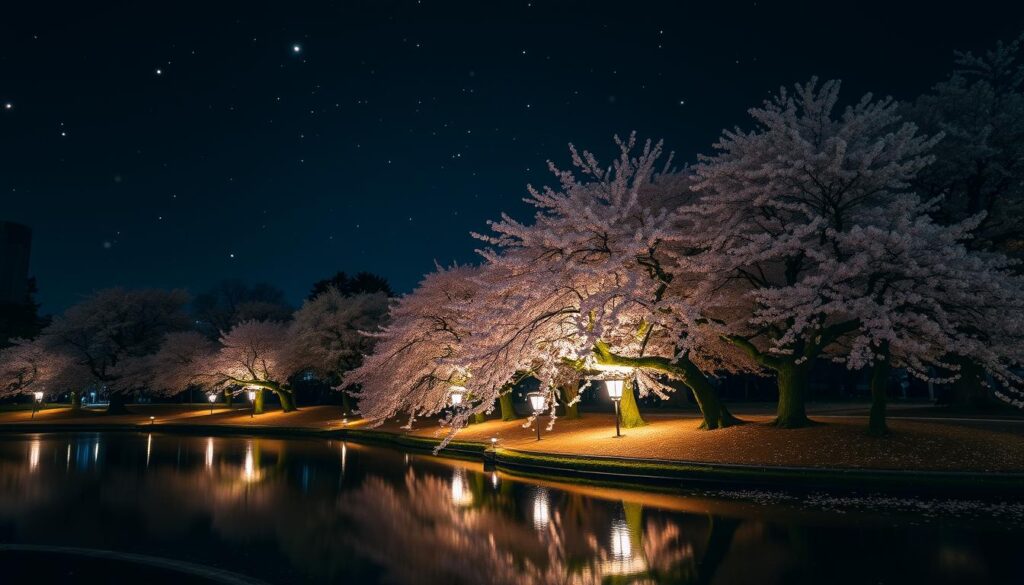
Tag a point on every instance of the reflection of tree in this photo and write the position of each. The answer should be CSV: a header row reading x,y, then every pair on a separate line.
x,y
419,535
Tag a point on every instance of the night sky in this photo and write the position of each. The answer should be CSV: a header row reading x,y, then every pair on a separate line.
x,y
176,144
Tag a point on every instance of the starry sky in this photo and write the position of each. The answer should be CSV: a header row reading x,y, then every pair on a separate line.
x,y
177,144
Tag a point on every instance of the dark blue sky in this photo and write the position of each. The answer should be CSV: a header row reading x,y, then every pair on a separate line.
x,y
395,128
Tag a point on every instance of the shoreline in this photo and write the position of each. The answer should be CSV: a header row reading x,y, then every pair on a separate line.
x,y
614,471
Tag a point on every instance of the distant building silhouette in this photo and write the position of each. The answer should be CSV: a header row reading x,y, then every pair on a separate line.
x,y
15,248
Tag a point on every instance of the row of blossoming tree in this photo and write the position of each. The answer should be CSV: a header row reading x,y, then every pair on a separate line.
x,y
131,341
801,239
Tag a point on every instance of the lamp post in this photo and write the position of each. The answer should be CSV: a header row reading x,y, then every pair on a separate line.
x,y
456,394
212,398
537,400
38,396
615,393
252,403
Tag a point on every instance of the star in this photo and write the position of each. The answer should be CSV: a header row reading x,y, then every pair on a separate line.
x,y
296,48
8,106
159,71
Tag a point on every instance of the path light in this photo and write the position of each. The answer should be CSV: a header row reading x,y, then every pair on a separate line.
x,y
456,394
537,400
252,403
152,419
344,422
212,398
615,393
37,403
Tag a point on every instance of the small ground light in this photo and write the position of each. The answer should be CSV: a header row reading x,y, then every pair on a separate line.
x,y
494,441
344,422
152,419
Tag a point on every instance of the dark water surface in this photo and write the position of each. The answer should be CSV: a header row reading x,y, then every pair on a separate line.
x,y
141,508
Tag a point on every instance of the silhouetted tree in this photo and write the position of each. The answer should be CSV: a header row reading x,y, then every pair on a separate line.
x,y
233,301
20,320
361,283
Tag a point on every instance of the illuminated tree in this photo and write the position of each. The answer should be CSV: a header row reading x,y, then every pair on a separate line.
x,y
595,282
414,363
256,354
28,366
777,203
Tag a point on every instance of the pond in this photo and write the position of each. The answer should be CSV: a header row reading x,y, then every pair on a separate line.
x,y
179,509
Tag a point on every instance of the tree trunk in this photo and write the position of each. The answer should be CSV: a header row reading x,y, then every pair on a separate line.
x,y
117,403
716,415
287,399
257,405
968,389
76,401
568,393
629,412
792,381
508,411
479,417
227,397
879,385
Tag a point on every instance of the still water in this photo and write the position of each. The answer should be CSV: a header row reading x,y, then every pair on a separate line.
x,y
156,508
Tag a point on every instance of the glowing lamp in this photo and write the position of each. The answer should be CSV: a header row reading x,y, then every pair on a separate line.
x,y
456,394
614,389
537,400
212,398
252,395
38,396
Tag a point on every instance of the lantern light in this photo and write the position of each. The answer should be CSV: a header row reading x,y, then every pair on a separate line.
x,y
38,396
614,389
212,398
537,400
456,394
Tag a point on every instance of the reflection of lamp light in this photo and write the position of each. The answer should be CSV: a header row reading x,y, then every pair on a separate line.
x,y
38,401
249,467
622,547
461,496
541,510
456,394
537,400
615,393
209,452
494,479
33,454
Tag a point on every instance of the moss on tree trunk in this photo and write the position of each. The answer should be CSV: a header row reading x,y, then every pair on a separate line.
x,y
879,385
508,411
792,380
629,411
568,393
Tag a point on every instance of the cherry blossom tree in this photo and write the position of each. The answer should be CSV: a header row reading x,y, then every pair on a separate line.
x,y
595,282
920,296
333,332
256,354
776,204
112,326
28,366
415,359
184,359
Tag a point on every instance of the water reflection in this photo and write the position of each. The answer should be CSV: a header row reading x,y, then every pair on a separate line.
x,y
296,511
